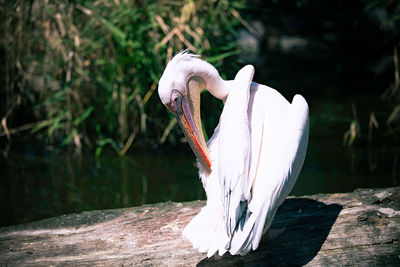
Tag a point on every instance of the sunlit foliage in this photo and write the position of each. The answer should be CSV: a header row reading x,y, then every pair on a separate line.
x,y
84,73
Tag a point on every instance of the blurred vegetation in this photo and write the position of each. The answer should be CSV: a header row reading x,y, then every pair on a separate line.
x,y
84,74
387,15
392,29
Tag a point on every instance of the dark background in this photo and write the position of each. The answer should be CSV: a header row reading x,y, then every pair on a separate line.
x,y
83,127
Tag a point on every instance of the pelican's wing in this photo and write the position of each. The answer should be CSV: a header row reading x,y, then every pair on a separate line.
x,y
283,148
234,149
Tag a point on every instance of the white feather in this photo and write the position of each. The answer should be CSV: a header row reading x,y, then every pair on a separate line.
x,y
234,156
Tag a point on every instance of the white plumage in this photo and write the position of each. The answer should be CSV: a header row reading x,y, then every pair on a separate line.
x,y
251,162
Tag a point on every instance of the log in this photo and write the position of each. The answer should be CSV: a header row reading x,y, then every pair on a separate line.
x,y
358,228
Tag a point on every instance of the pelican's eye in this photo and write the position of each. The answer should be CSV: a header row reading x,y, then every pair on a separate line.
x,y
175,101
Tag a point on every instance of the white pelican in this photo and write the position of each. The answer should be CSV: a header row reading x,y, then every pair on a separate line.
x,y
251,162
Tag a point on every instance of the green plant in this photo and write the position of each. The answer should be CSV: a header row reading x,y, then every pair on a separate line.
x,y
85,73
390,22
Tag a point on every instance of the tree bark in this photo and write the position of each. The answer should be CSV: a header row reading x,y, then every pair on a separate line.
x,y
359,228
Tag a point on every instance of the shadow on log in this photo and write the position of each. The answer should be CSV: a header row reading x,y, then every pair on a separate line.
x,y
307,224
359,228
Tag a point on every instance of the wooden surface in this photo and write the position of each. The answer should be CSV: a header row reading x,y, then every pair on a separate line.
x,y
359,228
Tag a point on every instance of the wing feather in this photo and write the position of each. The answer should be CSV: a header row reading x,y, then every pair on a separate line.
x,y
234,149
283,149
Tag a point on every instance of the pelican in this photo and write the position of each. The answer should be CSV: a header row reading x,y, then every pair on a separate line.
x,y
252,161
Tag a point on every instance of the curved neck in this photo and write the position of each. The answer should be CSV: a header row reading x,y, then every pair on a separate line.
x,y
202,75
210,78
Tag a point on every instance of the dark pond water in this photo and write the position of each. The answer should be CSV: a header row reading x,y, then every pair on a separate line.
x,y
37,185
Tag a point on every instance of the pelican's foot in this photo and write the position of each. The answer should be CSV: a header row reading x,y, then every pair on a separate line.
x,y
272,234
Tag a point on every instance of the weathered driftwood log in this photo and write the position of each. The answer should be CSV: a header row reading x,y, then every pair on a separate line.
x,y
359,228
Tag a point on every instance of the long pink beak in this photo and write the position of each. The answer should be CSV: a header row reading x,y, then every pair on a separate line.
x,y
179,106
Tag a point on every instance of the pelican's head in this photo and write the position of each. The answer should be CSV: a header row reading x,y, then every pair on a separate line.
x,y
179,90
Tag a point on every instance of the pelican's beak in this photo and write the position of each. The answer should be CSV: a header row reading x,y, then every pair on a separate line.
x,y
179,106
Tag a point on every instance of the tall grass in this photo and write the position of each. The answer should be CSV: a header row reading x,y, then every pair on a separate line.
x,y
391,27
84,74
387,15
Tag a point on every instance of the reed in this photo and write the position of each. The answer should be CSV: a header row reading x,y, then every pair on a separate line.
x,y
84,74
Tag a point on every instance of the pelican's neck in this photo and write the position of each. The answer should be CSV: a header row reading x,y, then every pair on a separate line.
x,y
209,78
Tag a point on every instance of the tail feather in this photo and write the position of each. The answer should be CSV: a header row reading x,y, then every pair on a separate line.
x,y
206,231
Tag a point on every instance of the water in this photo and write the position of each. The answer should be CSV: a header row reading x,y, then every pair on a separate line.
x,y
35,187
39,184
